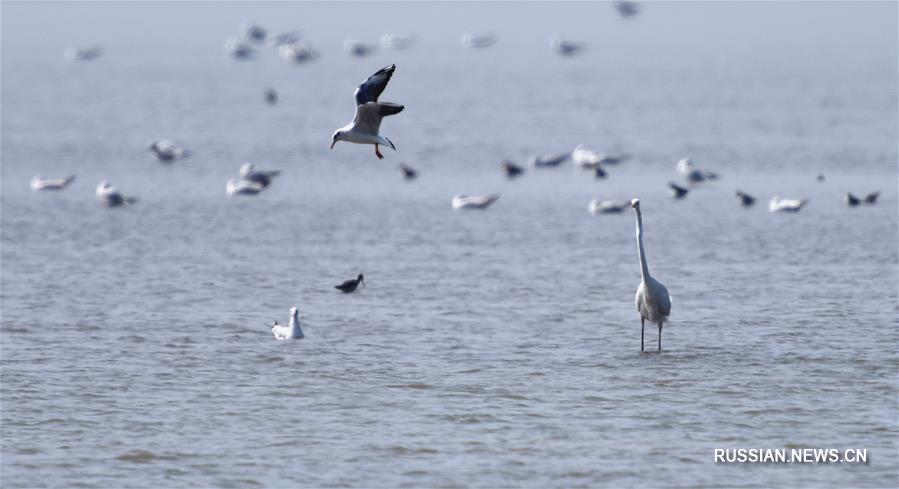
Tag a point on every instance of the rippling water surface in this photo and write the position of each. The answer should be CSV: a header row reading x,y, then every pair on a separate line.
x,y
496,348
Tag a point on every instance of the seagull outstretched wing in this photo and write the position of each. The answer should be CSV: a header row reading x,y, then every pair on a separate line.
x,y
369,115
371,89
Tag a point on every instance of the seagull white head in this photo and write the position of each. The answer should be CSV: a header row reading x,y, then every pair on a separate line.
x,y
338,136
635,203
293,311
246,169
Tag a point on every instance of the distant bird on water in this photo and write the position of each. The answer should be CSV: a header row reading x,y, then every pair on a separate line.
x,y
652,299
111,197
249,173
481,41
271,96
38,182
243,187
358,49
481,202
852,200
745,199
350,285
872,197
253,32
393,41
291,331
166,151
74,54
511,169
299,52
239,50
677,191
408,172
564,47
776,204
627,8
369,112
692,174
548,161
597,206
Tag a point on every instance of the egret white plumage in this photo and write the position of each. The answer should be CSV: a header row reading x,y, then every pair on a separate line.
x,y
652,299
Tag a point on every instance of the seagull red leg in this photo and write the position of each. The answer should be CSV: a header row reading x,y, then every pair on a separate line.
x,y
378,153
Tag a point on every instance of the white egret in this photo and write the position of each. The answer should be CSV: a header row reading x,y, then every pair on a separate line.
x,y
653,301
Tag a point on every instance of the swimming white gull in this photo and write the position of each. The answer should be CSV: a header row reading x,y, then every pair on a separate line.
x,y
548,161
393,41
292,330
38,182
243,187
249,173
478,41
692,174
239,50
111,197
786,205
463,201
167,151
597,206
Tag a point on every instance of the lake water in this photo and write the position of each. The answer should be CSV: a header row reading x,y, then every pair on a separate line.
x,y
496,348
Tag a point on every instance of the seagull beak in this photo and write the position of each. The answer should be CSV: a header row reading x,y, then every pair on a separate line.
x,y
333,143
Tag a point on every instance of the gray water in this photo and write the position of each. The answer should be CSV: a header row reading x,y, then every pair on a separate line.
x,y
496,348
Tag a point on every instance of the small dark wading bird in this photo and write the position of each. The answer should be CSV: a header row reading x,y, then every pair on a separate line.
x,y
408,172
653,301
350,285
677,191
369,112
271,96
511,169
745,199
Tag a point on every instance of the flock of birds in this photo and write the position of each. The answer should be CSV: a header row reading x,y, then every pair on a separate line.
x,y
653,302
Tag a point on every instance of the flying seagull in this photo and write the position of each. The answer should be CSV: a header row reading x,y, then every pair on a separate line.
x,y
369,112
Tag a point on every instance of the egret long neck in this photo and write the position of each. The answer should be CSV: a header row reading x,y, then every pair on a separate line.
x,y
644,269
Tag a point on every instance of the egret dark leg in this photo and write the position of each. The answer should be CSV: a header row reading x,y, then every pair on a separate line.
x,y
660,336
378,153
642,329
